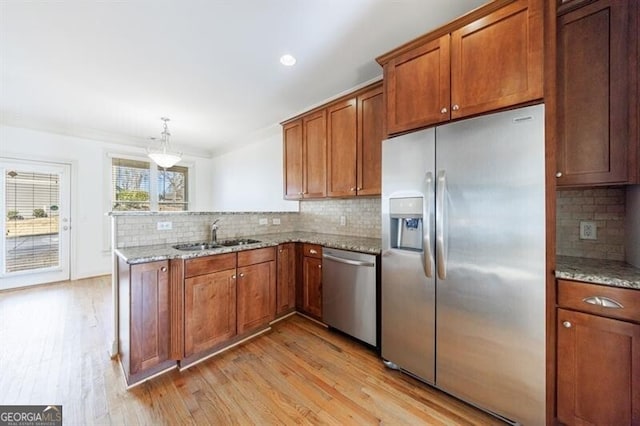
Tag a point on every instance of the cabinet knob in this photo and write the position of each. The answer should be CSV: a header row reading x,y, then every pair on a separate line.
x,y
352,189
320,266
299,193
233,277
455,107
280,251
242,275
163,269
359,189
559,174
566,324
313,251
443,111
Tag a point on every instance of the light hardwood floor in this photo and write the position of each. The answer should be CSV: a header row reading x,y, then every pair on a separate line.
x,y
53,350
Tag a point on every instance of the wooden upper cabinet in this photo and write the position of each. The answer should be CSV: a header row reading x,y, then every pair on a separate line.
x,y
497,61
292,141
417,85
371,132
342,148
597,105
489,59
314,148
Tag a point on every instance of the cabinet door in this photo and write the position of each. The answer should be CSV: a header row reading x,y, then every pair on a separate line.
x,y
256,295
598,370
312,286
286,278
149,313
370,135
342,149
497,61
210,310
292,141
417,87
314,167
595,46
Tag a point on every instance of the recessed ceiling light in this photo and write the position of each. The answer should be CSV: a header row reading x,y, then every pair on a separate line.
x,y
287,60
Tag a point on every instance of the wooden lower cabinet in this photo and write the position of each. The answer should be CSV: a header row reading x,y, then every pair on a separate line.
x,y
144,319
256,295
598,374
312,280
286,278
210,310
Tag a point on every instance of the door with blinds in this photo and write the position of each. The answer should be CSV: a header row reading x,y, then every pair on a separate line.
x,y
36,222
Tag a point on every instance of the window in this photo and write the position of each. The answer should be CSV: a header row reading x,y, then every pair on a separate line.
x,y
138,185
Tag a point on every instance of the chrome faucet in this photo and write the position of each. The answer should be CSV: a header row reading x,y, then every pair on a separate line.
x,y
214,232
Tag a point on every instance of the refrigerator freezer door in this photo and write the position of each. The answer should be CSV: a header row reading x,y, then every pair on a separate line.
x,y
408,295
491,303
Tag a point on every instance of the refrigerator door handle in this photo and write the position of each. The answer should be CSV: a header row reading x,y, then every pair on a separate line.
x,y
440,252
426,228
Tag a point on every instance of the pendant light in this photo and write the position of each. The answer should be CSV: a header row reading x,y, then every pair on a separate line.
x,y
163,156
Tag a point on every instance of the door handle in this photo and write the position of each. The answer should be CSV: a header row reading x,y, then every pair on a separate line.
x,y
426,227
347,261
440,249
605,302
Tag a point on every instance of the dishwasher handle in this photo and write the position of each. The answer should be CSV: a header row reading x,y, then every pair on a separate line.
x,y
348,261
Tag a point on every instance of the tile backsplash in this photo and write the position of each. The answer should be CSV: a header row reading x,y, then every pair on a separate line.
x,y
605,207
361,218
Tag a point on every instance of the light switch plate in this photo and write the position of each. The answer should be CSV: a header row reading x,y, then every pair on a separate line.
x,y
276,221
588,231
164,226
263,221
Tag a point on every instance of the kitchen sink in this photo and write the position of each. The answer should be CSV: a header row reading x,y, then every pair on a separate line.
x,y
207,246
196,246
238,242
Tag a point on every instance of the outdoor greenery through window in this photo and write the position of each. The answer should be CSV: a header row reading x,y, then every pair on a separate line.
x,y
141,185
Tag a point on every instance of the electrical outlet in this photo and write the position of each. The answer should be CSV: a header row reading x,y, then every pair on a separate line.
x,y
276,221
343,221
164,226
588,231
263,221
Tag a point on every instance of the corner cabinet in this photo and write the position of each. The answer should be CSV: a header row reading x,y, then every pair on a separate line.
x,y
144,319
286,279
336,151
487,60
597,94
598,354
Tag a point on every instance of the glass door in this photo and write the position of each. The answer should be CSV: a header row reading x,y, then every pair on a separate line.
x,y
36,222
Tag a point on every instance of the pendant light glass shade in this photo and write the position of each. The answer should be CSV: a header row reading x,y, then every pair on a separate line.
x,y
162,155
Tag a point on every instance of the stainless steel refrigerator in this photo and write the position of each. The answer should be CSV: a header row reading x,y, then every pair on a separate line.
x,y
463,260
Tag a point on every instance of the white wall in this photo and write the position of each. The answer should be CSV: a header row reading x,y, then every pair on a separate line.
x,y
90,254
250,178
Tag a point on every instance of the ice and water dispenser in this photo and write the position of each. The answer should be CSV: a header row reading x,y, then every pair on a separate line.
x,y
406,215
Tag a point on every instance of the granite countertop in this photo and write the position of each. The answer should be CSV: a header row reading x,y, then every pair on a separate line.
x,y
142,254
607,272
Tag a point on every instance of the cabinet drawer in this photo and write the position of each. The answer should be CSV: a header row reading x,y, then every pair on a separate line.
x,y
209,264
575,295
312,250
251,257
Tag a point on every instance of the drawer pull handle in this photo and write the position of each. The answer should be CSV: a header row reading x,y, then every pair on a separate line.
x,y
605,302
566,324
313,251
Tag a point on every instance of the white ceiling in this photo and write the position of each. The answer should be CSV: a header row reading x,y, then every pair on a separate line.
x,y
108,70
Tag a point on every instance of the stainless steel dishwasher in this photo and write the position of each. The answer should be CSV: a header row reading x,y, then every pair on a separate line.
x,y
349,293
